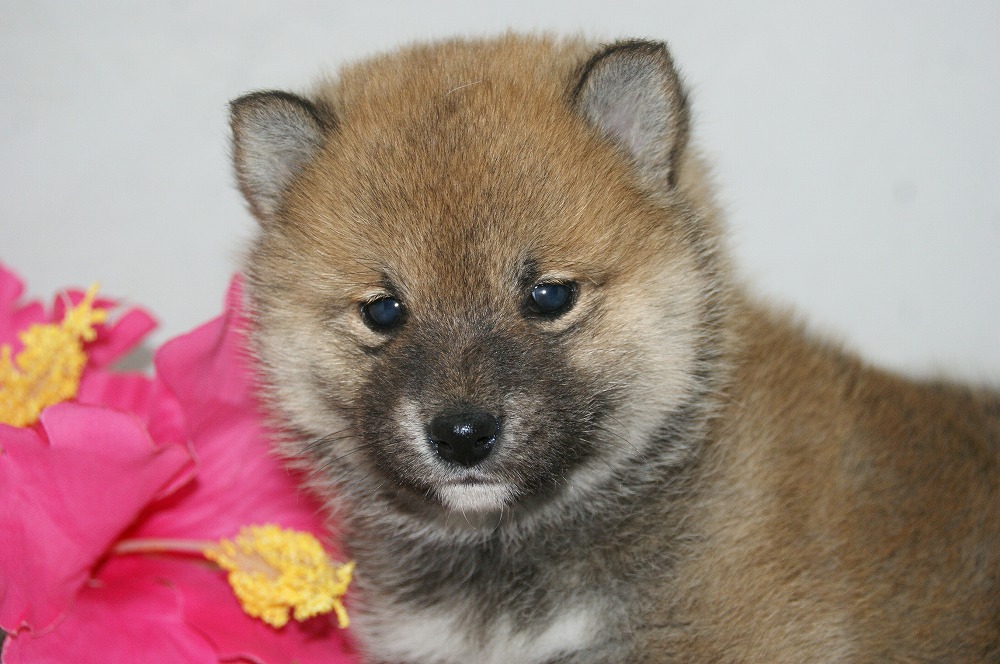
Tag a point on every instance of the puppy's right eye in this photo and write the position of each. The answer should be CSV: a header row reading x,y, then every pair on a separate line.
x,y
551,299
383,314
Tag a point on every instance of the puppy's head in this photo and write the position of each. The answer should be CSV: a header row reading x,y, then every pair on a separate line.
x,y
481,278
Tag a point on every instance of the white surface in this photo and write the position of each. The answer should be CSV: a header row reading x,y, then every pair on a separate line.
x,y
856,145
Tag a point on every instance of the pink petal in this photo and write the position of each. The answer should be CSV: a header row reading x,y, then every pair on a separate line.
x,y
240,481
132,392
123,335
14,318
211,609
62,503
211,357
150,401
11,288
114,339
148,398
131,613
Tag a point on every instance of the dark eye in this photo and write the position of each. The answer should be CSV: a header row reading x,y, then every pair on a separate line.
x,y
551,299
382,314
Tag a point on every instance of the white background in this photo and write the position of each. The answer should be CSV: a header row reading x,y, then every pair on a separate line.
x,y
856,145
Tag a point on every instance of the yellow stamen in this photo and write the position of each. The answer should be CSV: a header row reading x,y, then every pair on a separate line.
x,y
274,571
49,367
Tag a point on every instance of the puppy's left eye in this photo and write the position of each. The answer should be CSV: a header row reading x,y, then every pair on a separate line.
x,y
551,299
383,314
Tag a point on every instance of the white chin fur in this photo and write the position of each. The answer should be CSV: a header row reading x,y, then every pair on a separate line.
x,y
475,497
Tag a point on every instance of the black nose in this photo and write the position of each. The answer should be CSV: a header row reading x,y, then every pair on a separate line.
x,y
464,438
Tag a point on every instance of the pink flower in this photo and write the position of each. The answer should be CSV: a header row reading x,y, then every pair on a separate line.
x,y
112,341
179,456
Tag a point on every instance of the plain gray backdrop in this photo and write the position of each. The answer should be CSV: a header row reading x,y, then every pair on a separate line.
x,y
855,145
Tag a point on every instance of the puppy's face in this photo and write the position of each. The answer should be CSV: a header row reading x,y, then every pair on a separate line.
x,y
465,296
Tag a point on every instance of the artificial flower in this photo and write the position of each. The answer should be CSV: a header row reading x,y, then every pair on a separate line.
x,y
134,460
65,500
278,573
48,368
111,342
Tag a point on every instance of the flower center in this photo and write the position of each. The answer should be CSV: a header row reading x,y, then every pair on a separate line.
x,y
49,366
273,571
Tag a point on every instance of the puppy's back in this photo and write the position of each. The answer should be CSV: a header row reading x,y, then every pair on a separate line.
x,y
848,513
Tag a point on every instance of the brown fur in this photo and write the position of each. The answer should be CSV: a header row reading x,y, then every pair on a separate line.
x,y
848,514
812,508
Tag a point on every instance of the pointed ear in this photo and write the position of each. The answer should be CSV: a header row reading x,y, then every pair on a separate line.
x,y
274,135
631,92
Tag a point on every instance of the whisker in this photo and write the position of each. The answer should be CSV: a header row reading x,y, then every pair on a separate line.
x,y
330,462
357,481
341,477
315,444
361,446
621,424
499,521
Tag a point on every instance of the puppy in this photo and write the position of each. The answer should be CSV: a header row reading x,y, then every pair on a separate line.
x,y
495,319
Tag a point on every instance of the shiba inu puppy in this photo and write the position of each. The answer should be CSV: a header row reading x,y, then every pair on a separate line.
x,y
495,319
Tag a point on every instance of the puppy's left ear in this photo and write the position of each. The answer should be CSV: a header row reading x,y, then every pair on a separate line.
x,y
275,134
631,92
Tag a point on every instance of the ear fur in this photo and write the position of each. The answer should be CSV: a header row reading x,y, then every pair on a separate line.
x,y
631,92
274,135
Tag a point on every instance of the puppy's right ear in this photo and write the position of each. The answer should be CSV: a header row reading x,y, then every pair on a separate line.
x,y
275,134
